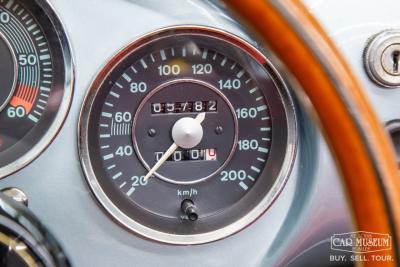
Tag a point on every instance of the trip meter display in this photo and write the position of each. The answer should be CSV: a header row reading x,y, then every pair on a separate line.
x,y
187,135
35,81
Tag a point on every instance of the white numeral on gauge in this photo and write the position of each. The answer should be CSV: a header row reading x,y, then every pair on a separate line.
x,y
233,175
229,84
124,151
246,113
140,87
199,69
123,117
165,70
4,17
27,59
138,181
16,112
248,144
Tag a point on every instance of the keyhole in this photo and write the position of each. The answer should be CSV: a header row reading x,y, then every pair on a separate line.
x,y
396,58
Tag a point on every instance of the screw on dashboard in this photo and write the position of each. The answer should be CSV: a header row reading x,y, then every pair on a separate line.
x,y
16,194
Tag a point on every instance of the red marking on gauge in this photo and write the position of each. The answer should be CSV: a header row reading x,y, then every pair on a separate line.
x,y
211,154
25,96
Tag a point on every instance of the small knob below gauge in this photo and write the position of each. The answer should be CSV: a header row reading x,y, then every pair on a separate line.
x,y
189,209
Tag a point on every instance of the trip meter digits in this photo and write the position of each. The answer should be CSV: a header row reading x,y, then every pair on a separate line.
x,y
35,66
187,135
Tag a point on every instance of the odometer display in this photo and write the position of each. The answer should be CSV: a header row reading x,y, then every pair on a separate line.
x,y
202,111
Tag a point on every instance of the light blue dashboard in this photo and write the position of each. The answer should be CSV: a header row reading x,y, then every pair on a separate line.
x,y
300,222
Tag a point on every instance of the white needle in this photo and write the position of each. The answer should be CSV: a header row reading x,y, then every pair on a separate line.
x,y
199,119
166,155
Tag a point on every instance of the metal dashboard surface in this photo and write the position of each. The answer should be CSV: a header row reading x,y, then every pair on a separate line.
x,y
310,209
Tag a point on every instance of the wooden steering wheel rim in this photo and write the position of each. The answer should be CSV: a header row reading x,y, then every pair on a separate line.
x,y
357,139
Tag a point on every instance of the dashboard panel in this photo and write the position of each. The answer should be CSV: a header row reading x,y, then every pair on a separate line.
x,y
184,140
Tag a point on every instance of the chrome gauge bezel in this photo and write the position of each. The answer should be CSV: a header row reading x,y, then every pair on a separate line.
x,y
257,211
66,100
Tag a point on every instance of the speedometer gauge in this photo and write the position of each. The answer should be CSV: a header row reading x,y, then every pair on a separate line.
x,y
35,80
187,135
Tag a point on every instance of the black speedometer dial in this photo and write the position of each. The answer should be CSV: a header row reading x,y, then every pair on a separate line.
x,y
187,135
35,80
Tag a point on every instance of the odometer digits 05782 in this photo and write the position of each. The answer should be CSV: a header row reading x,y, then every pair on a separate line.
x,y
187,135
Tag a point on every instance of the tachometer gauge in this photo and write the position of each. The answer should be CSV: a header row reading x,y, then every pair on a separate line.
x,y
35,80
187,135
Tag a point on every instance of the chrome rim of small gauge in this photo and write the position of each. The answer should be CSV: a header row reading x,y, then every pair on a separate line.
x,y
35,105
145,94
